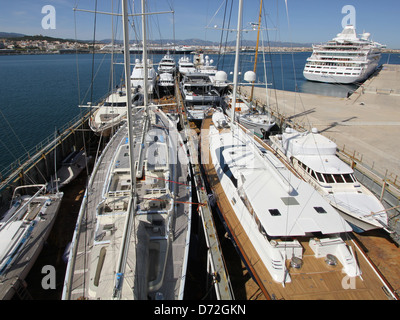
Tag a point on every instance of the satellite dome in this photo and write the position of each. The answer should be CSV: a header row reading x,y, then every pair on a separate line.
x,y
250,76
221,76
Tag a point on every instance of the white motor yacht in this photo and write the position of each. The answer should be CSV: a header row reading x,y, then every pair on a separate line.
x,y
167,65
198,94
112,111
137,76
314,158
185,66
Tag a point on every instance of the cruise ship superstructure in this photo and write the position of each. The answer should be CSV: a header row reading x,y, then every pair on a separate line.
x,y
344,59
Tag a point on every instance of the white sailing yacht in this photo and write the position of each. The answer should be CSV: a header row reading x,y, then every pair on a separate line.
x,y
24,229
283,228
133,231
314,158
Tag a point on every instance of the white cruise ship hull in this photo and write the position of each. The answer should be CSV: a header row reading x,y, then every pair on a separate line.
x,y
338,76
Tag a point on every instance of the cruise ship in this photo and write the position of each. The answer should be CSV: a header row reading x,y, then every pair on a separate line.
x,y
344,59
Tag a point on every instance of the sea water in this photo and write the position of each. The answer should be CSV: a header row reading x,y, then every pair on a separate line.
x,y
41,94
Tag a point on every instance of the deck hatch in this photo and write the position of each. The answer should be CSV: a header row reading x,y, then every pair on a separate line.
x,y
289,201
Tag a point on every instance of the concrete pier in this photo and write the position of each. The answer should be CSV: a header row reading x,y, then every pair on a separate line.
x,y
365,125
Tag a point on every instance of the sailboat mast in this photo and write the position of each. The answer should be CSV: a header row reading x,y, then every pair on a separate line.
x,y
256,55
236,68
127,65
145,66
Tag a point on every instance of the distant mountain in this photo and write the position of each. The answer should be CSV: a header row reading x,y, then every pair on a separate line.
x,y
188,42
199,42
20,36
11,35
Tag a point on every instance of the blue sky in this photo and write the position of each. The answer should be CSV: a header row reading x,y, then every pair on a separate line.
x,y
310,21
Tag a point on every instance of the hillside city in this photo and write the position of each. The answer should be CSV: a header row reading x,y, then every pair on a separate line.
x,y
47,45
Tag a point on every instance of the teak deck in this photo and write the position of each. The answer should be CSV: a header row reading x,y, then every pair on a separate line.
x,y
315,280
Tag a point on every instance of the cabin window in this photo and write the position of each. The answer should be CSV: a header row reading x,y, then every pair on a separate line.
x,y
320,209
313,174
320,178
329,178
347,177
274,212
338,178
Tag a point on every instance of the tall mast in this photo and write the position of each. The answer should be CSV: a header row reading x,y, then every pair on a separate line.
x,y
139,172
236,68
256,55
145,66
120,270
127,67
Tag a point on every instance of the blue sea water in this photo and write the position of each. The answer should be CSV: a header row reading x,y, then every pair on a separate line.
x,y
40,94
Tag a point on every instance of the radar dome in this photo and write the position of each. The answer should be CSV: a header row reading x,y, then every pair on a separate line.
x,y
221,76
250,76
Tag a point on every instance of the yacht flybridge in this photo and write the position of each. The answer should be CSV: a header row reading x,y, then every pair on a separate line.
x,y
314,158
344,59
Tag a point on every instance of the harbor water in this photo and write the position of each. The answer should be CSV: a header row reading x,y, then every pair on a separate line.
x,y
40,94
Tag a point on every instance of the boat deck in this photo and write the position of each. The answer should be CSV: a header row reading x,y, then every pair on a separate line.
x,y
78,282
316,279
163,256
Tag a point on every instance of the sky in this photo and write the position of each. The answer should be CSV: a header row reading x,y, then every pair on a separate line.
x,y
308,21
